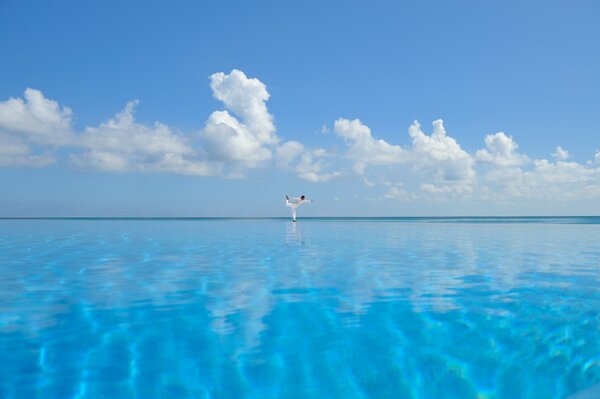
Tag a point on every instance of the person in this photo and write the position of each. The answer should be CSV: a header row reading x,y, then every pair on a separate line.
x,y
294,203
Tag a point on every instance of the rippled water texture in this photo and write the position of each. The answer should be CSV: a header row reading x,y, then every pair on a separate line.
x,y
318,309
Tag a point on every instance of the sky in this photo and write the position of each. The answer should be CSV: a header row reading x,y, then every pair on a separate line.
x,y
220,108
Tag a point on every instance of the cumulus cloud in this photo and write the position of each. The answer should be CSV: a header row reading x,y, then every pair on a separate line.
x,y
233,140
309,164
561,172
513,175
229,143
439,155
558,180
436,157
501,151
36,119
14,152
446,190
121,144
245,142
364,149
243,136
312,167
228,140
397,193
560,154
288,152
31,128
246,97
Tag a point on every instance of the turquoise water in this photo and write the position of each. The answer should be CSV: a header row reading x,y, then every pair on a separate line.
x,y
325,308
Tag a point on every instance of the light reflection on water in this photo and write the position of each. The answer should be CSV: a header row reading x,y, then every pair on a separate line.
x,y
319,308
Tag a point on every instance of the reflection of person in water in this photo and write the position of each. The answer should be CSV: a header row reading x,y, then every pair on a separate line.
x,y
293,235
294,203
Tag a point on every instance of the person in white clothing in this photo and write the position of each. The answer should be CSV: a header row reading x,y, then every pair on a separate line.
x,y
294,203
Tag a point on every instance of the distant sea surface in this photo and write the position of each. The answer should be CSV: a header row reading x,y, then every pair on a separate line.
x,y
322,308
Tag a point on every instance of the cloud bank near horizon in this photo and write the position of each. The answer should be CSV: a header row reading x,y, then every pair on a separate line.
x,y
243,137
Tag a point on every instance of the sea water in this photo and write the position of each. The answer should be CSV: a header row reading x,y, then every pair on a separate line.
x,y
322,308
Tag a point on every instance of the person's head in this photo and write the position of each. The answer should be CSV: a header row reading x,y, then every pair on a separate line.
x,y
302,197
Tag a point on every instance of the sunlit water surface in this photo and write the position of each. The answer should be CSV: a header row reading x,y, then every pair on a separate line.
x,y
385,308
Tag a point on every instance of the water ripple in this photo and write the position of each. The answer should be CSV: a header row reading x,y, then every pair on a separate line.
x,y
321,308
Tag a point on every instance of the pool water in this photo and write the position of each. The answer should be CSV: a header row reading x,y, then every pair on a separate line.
x,y
324,308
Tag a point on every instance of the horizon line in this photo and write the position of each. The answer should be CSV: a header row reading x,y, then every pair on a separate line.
x,y
287,217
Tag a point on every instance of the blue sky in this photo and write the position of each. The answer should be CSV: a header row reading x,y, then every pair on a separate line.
x,y
259,99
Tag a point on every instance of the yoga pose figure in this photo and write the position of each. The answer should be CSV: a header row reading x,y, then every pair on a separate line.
x,y
294,203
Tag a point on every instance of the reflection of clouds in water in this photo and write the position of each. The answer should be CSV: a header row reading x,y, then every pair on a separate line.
x,y
239,272
238,290
250,300
211,307
97,271
436,264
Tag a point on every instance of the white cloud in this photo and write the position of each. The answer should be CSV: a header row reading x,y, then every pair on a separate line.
x,y
36,119
397,193
31,128
121,144
557,181
102,160
439,155
561,180
246,98
288,152
561,172
446,190
243,143
228,140
501,151
311,167
436,157
560,154
365,150
36,123
368,182
243,136
226,145
514,175
14,152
